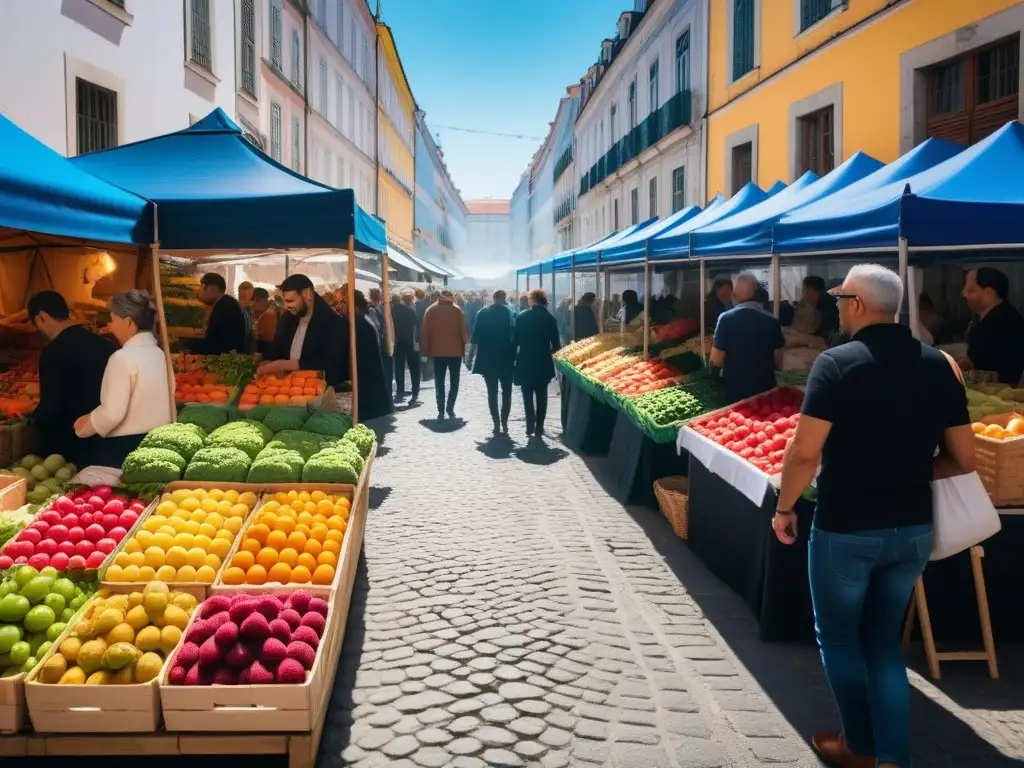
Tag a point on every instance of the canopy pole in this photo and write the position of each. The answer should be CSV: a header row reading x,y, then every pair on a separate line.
x,y
351,301
904,260
572,294
647,298
600,295
703,329
385,289
776,284
915,328
287,264
161,315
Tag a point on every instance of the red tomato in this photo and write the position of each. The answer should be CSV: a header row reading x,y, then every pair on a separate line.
x,y
751,440
742,432
769,430
747,453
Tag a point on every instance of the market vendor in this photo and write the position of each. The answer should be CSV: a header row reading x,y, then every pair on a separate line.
x,y
264,321
71,370
584,321
995,338
748,343
719,300
632,307
813,294
135,396
227,329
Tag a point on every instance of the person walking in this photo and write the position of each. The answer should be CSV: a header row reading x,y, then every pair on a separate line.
x,y
492,354
443,338
871,533
407,346
536,338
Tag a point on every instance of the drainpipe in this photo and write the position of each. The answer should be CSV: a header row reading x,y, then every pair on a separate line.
x,y
705,80
376,112
305,85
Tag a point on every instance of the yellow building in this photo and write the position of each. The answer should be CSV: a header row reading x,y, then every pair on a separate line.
x,y
396,143
797,85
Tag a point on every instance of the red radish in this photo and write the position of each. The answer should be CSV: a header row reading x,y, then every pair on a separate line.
x,y
58,533
95,532
85,519
46,547
39,560
127,519
20,560
84,548
65,504
31,535
95,560
113,507
105,546
59,561
5,562
105,492
69,520
76,534
67,547
117,533
50,516
76,563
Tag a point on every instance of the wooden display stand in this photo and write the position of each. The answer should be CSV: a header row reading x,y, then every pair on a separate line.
x,y
919,608
301,748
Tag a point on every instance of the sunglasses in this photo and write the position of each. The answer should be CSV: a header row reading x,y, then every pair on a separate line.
x,y
845,296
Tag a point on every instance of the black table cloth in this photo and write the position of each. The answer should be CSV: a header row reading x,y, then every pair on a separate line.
x,y
635,462
588,423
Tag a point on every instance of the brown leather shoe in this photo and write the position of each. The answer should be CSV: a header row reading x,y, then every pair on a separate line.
x,y
833,749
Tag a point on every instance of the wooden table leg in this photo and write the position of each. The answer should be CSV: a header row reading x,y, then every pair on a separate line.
x,y
926,629
981,593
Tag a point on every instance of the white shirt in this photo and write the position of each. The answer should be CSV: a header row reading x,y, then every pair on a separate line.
x,y
300,336
135,395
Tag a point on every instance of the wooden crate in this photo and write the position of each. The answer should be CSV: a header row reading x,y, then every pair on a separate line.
x,y
12,703
13,490
1001,463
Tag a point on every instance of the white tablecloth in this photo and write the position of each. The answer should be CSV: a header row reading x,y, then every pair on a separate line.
x,y
739,473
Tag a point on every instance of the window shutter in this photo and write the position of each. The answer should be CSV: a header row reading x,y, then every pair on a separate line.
x,y
248,13
742,38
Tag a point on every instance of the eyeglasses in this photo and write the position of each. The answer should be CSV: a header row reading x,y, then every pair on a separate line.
x,y
845,296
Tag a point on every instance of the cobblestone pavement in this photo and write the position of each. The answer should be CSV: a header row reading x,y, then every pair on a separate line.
x,y
512,613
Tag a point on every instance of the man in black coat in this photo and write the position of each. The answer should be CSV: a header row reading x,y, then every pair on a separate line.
x,y
227,329
492,353
584,321
407,346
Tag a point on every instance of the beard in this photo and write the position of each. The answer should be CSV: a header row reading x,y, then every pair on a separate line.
x,y
302,310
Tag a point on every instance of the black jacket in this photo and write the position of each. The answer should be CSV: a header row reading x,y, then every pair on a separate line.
x,y
374,393
227,330
536,337
584,322
325,347
407,324
494,337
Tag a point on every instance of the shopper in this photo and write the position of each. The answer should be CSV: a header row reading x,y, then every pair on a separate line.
x,y
632,307
872,529
492,354
226,329
264,321
374,393
584,319
443,338
994,336
536,340
717,302
407,347
136,394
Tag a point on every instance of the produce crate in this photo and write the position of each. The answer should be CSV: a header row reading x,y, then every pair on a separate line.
x,y
12,703
1001,463
91,708
13,490
257,708
17,439
199,590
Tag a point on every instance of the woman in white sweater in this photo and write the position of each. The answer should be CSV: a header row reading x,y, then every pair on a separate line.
x,y
135,394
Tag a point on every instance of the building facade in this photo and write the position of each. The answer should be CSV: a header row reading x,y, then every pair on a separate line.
x,y
521,248
440,213
396,144
489,232
815,81
97,65
638,149
552,193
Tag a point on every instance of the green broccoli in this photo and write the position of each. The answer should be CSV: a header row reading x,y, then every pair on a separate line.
x,y
284,418
265,433
9,527
362,437
243,435
330,424
183,439
329,467
209,417
152,465
306,443
350,452
219,463
257,413
276,466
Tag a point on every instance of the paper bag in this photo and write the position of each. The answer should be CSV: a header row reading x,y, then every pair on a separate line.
x,y
963,515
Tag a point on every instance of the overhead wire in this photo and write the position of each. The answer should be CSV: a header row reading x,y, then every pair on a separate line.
x,y
490,133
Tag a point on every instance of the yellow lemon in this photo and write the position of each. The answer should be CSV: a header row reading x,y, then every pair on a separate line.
x,y
223,507
219,547
190,527
233,524
163,540
214,561
166,508
216,494
203,542
271,505
191,504
217,521
207,530
231,496
196,557
225,535
137,559
298,505
180,495
122,560
145,539
198,516
114,573
305,518
154,557
186,574
205,575
177,557
152,523
239,510
130,573
132,545
146,573
248,498
184,540
168,529
208,505
166,574
177,524
317,496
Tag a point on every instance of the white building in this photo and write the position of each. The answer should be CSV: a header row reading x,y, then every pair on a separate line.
x,y
489,232
637,139
84,75
555,186
519,222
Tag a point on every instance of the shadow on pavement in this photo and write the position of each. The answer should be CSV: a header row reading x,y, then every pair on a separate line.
x,y
497,447
539,453
953,721
378,496
444,426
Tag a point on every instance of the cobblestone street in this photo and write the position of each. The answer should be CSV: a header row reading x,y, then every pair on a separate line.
x,y
510,612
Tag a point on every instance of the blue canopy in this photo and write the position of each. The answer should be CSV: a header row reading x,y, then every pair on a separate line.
x,y
564,261
634,246
587,257
675,242
216,191
777,187
750,232
831,223
42,192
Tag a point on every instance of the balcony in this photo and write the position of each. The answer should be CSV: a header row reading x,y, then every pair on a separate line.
x,y
672,115
563,163
563,209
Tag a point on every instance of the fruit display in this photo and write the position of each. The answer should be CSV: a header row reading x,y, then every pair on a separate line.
x,y
643,376
679,328
294,538
19,385
758,429
242,639
200,387
35,608
295,388
211,378
45,477
78,530
602,368
666,407
121,639
580,351
992,400
184,539
1014,428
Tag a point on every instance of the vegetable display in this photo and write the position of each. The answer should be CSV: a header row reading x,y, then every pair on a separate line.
x,y
45,477
183,439
642,377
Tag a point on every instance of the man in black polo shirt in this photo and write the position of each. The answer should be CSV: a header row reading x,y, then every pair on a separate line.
x,y
874,413
995,339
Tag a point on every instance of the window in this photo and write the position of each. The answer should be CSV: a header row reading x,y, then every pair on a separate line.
x,y
95,117
972,96
276,33
339,100
199,47
339,31
320,11
678,189
296,145
742,166
275,131
118,3
632,104
652,197
816,141
323,87
742,37
683,62
813,11
296,59
615,214
652,86
611,126
634,206
351,115
247,11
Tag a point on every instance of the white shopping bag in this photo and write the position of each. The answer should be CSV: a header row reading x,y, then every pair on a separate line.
x,y
963,515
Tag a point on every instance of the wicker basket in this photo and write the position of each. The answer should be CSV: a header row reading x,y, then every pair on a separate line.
x,y
673,502
1001,463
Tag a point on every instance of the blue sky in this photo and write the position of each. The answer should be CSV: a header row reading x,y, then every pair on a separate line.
x,y
495,66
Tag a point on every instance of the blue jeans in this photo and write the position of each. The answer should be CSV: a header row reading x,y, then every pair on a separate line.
x,y
860,586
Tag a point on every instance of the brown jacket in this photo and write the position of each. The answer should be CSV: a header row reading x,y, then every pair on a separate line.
x,y
445,332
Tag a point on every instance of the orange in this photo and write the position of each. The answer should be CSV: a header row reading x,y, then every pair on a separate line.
x,y
327,558
243,559
297,540
258,532
256,575
267,557
269,519
336,536
266,400
300,575
285,524
307,561
304,518
313,547
289,556
280,399
331,547
281,573
298,505
319,519
324,574
303,529
250,545
234,576
319,532
277,540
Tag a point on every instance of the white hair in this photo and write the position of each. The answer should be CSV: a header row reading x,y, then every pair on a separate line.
x,y
748,279
878,287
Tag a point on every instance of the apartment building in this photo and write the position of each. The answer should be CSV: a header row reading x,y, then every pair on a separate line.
x,y
489,231
396,143
553,193
440,213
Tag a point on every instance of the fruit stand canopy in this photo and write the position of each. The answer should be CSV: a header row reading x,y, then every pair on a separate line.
x,y
634,245
969,200
587,257
216,191
674,243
